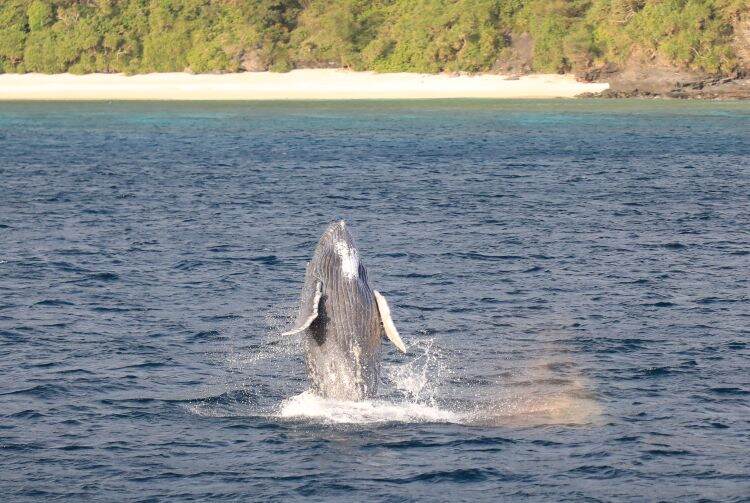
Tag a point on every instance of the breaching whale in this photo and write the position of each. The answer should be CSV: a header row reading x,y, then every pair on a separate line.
x,y
343,320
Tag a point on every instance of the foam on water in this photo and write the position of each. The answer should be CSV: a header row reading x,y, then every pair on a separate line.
x,y
307,405
563,409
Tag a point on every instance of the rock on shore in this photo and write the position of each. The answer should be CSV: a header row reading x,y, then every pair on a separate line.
x,y
640,77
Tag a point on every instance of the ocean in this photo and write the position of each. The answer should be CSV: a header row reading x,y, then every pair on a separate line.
x,y
570,278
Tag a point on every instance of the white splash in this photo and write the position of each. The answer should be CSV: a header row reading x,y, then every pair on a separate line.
x,y
307,405
418,389
349,260
418,379
410,397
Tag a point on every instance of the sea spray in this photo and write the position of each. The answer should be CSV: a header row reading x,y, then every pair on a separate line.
x,y
416,388
420,378
410,394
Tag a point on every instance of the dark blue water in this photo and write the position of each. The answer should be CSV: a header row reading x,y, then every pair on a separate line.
x,y
571,278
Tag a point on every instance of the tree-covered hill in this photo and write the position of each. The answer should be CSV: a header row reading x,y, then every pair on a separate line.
x,y
138,36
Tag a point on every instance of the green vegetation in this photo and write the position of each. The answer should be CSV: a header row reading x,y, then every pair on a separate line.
x,y
137,36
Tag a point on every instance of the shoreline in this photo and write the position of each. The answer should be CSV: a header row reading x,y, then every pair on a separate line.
x,y
304,84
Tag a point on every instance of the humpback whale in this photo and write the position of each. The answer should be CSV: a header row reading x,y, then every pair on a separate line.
x,y
343,320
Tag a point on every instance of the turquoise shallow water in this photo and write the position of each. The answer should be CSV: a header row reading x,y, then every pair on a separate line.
x,y
571,277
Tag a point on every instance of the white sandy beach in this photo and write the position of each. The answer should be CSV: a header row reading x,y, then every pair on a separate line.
x,y
321,84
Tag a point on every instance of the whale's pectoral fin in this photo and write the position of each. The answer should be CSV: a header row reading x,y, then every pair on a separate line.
x,y
305,322
385,317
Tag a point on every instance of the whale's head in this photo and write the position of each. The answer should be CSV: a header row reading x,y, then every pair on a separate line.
x,y
337,254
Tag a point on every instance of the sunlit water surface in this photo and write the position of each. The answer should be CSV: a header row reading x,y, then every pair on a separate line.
x,y
571,278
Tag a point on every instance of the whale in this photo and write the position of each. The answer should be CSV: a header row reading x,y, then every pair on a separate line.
x,y
343,320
